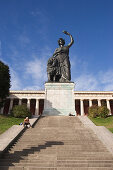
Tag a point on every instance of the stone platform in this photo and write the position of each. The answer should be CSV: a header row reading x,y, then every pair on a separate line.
x,y
59,99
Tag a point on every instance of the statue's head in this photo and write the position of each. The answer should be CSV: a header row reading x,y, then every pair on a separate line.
x,y
61,41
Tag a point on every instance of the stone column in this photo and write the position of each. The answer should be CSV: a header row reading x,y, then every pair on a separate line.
x,y
1,110
90,102
11,105
28,103
108,106
99,102
37,107
82,107
20,101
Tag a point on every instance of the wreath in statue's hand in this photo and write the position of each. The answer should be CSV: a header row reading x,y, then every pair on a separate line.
x,y
65,32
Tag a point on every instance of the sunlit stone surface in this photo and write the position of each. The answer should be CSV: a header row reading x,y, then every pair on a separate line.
x,y
59,99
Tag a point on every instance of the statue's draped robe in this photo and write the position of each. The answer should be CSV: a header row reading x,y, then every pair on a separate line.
x,y
59,64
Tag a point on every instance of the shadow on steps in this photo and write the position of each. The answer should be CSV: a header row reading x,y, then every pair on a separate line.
x,y
17,155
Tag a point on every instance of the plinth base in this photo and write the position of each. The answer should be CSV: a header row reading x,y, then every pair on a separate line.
x,y
59,99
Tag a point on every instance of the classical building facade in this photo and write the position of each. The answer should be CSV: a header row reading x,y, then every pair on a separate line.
x,y
35,101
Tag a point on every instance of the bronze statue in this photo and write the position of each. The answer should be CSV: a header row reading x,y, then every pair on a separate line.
x,y
58,66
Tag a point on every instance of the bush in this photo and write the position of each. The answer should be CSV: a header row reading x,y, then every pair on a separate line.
x,y
103,111
93,111
98,111
21,111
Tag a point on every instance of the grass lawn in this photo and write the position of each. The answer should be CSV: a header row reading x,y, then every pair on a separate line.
x,y
107,122
7,121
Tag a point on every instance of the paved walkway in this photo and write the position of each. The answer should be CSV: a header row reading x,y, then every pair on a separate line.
x,y
102,133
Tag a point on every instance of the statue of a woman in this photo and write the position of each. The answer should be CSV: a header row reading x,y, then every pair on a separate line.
x,y
58,67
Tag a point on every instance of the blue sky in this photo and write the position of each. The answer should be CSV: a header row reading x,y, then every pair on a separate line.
x,y
29,30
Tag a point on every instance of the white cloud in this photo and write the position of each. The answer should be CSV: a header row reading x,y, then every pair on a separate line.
x,y
14,54
34,74
34,88
3,61
46,52
36,69
15,80
102,81
106,76
108,87
73,61
86,82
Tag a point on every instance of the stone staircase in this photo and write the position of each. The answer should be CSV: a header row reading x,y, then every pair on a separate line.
x,y
57,143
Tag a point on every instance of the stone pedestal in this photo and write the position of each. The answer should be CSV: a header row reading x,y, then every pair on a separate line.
x,y
59,99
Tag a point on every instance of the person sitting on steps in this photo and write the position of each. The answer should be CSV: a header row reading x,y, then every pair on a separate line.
x,y
26,122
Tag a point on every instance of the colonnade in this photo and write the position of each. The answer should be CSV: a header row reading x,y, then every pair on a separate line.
x,y
81,105
11,104
99,103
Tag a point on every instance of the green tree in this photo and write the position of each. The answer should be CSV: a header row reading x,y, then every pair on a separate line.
x,y
4,83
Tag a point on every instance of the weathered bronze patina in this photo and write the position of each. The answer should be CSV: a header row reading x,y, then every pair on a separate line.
x,y
58,66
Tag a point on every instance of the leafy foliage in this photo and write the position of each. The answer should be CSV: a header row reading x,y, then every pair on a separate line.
x,y
93,111
4,82
98,111
103,111
21,111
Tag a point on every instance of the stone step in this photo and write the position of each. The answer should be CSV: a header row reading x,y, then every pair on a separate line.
x,y
62,141
44,149
74,149
90,163
93,157
85,168
59,153
76,134
24,164
60,168
86,165
55,136
53,157
9,161
77,154
32,155
37,140
25,168
60,164
66,131
60,146
58,143
36,143
36,168
69,140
